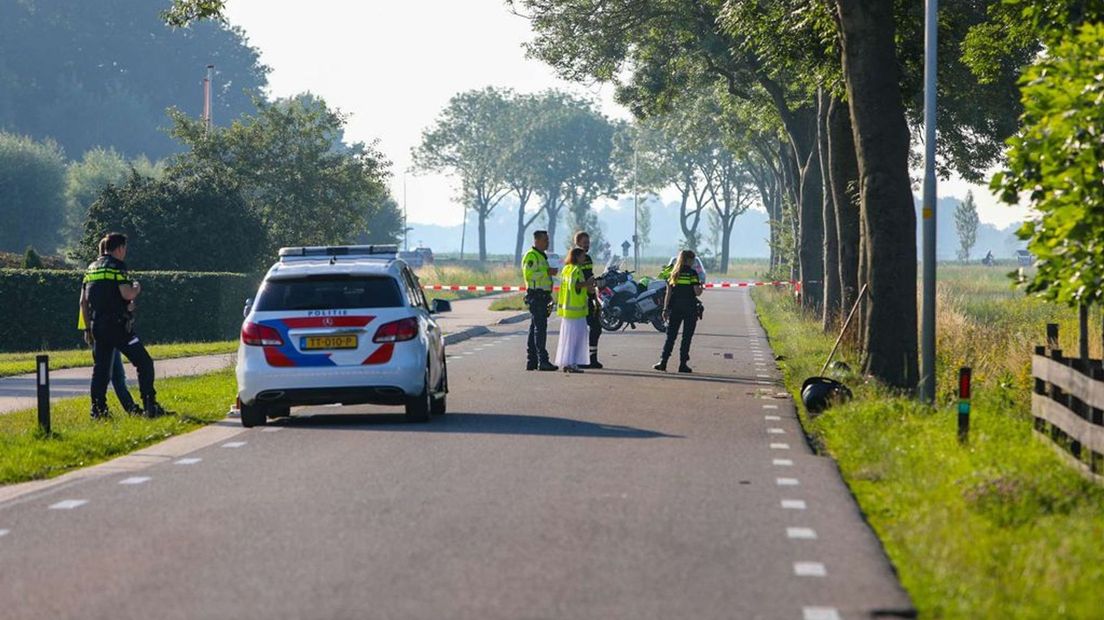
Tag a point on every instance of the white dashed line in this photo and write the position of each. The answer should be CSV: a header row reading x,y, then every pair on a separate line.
x,y
780,446
770,406
189,461
787,482
762,376
233,444
776,431
801,533
809,569
272,429
135,480
820,613
771,418
782,462
69,504
4,533
793,504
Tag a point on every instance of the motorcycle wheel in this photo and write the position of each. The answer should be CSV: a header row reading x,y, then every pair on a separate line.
x,y
659,324
610,322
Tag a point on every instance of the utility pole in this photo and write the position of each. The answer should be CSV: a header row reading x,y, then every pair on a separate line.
x,y
636,217
406,229
927,312
208,116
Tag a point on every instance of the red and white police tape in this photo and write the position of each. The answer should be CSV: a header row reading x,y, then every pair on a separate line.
x,y
473,288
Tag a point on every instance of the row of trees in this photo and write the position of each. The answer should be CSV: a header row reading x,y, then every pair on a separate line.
x,y
825,97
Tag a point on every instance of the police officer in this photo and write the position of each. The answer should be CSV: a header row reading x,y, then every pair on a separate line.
x,y
538,296
105,297
594,310
681,309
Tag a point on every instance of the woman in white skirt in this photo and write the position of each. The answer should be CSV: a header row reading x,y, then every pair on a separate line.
x,y
573,347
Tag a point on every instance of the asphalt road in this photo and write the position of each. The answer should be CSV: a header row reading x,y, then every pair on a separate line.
x,y
621,493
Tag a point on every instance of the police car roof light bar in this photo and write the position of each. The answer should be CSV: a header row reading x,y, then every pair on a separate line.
x,y
324,251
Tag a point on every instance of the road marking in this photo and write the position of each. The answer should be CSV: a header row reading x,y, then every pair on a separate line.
x,y
770,406
135,480
233,444
809,569
772,418
787,482
762,376
4,533
468,353
69,504
801,533
820,613
776,431
189,461
764,383
782,462
793,504
272,429
780,446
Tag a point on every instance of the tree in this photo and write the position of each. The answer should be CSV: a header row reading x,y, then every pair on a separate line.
x,y
87,178
520,166
1055,162
468,140
966,223
192,222
32,193
103,72
31,259
295,171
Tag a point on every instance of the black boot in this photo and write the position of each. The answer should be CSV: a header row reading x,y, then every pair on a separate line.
x,y
153,409
135,409
547,366
100,412
662,365
684,368
594,363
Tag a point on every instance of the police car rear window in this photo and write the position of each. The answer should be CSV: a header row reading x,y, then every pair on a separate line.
x,y
329,292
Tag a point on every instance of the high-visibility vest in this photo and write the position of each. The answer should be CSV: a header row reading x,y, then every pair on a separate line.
x,y
534,268
572,304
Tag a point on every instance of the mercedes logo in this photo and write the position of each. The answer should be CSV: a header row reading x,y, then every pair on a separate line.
x,y
328,322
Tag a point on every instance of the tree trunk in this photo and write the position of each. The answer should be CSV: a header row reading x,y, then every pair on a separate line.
x,y
810,241
831,308
482,235
727,225
844,173
522,225
882,146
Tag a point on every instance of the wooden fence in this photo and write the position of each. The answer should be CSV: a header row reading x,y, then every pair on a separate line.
x,y
1068,404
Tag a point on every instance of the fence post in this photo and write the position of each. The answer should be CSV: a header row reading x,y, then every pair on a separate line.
x,y
964,381
1083,335
42,362
1051,336
1054,392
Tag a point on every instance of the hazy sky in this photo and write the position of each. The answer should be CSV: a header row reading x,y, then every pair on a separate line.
x,y
393,65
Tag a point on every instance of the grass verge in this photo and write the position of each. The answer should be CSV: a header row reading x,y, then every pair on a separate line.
x,y
24,363
999,528
77,441
510,302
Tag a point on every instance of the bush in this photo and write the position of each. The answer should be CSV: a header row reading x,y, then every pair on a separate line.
x,y
32,193
31,259
40,307
197,222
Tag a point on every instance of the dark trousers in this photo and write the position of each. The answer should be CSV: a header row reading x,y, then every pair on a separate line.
x,y
536,349
112,335
688,319
118,381
594,323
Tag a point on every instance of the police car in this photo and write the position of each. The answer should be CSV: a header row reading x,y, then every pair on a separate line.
x,y
341,325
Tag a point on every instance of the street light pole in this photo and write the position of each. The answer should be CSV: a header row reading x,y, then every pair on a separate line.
x,y
406,229
636,218
927,313
208,113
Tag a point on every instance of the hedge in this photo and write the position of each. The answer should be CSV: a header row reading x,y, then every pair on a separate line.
x,y
38,307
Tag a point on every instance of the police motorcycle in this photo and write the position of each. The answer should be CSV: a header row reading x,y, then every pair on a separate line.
x,y
628,301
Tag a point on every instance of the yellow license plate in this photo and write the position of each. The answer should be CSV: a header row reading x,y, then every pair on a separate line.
x,y
311,343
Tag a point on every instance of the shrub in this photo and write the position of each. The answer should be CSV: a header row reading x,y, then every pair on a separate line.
x,y
31,259
32,193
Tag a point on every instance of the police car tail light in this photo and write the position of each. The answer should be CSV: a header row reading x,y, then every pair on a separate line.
x,y
260,336
397,331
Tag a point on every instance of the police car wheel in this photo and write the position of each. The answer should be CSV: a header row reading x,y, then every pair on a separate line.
x,y
252,415
418,406
439,406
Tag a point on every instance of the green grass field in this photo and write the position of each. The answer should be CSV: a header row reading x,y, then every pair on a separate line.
x,y
23,363
78,441
999,528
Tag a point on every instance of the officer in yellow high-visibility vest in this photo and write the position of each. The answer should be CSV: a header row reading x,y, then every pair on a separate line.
x,y
538,296
594,309
573,309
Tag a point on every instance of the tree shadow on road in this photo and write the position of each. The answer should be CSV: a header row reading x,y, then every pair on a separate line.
x,y
473,423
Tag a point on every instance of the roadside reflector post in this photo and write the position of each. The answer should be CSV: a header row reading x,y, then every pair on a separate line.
x,y
42,362
964,380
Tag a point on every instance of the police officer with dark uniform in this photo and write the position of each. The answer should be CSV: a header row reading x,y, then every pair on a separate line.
x,y
105,300
680,309
594,310
538,296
